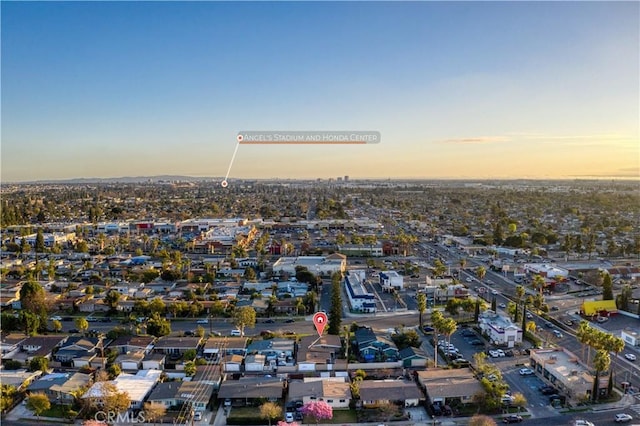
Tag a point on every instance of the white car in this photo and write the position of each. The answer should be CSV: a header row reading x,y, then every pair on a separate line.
x,y
202,321
288,417
583,423
526,371
529,316
630,357
56,318
502,305
623,418
469,280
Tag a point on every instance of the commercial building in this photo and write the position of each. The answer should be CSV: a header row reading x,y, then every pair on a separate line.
x,y
499,330
319,265
360,299
391,280
564,371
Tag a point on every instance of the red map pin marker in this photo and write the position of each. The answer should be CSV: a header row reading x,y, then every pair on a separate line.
x,y
320,321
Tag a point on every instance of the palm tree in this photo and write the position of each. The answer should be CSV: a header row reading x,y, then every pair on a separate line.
x,y
616,345
481,271
421,299
538,283
601,362
436,321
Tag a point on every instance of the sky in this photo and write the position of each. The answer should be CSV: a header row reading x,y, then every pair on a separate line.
x,y
457,90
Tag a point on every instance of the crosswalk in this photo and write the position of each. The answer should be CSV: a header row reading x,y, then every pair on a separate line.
x,y
636,407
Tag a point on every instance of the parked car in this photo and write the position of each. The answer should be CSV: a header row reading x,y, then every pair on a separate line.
x,y
197,416
289,418
630,357
547,390
512,418
428,329
476,342
269,321
289,321
526,372
558,334
623,418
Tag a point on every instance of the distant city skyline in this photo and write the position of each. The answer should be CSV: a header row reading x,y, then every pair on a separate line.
x,y
457,90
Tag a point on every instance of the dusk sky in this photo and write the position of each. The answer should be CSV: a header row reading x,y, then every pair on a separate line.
x,y
456,89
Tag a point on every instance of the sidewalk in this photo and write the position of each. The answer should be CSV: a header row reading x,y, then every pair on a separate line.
x,y
625,402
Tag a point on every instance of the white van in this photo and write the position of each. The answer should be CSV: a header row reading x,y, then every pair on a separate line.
x,y
236,333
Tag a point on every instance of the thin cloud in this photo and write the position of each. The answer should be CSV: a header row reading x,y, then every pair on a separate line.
x,y
478,140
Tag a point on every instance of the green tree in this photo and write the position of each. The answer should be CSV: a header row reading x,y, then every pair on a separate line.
x,y
270,411
607,287
114,371
244,317
38,403
81,324
111,299
39,363
158,326
33,299
39,245
335,313
154,411
190,368
30,322
114,400
481,420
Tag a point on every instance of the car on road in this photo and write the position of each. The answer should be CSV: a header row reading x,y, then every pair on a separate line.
x,y
581,422
469,280
494,292
529,316
555,308
558,334
623,418
56,318
269,321
512,418
74,330
630,357
289,321
502,305
236,333
569,322
526,371
602,319
202,321
476,342
428,329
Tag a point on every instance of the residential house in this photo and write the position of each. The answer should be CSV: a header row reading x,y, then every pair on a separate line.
x,y
216,347
138,386
374,348
449,385
317,354
176,345
154,361
125,344
60,387
335,391
36,346
413,357
10,344
176,394
252,390
131,361
78,348
401,392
